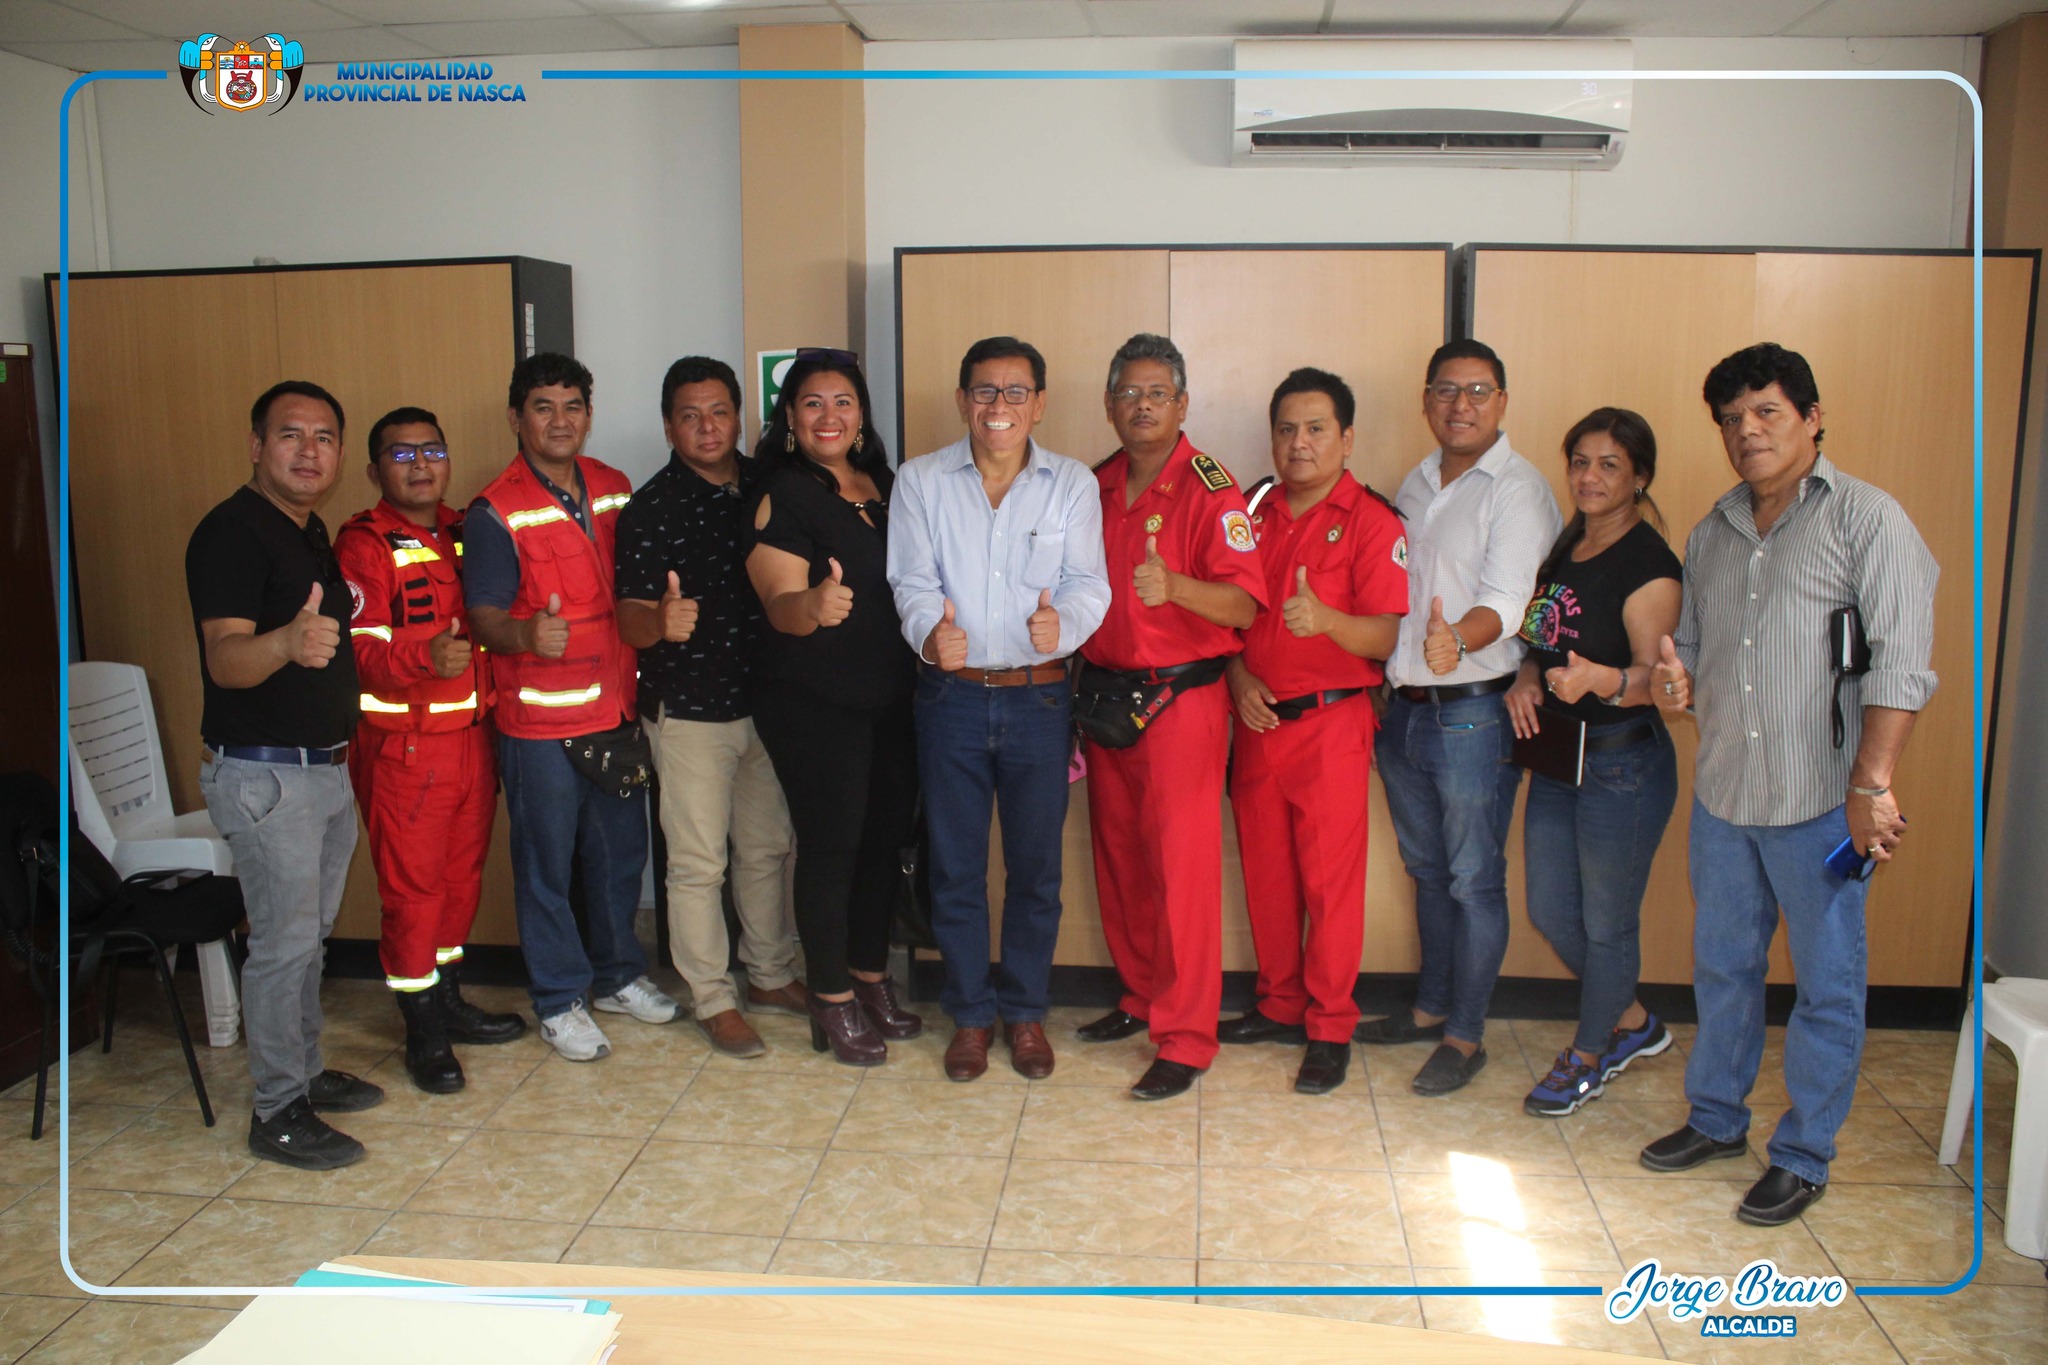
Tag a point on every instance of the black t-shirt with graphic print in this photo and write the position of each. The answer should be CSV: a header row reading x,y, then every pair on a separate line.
x,y
1577,608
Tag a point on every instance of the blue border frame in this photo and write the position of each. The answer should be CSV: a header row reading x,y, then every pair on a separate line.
x,y
64,590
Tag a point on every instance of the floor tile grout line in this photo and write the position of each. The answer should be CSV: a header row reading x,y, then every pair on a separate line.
x,y
860,1081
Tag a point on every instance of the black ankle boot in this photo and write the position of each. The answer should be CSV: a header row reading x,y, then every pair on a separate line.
x,y
428,1061
466,1023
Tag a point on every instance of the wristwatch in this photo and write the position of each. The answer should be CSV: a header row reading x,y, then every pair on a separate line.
x,y
1619,692
1461,642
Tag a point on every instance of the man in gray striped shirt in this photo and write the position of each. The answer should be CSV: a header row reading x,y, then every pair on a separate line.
x,y
1776,791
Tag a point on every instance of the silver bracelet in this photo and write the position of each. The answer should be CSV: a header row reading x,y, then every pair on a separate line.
x,y
1868,791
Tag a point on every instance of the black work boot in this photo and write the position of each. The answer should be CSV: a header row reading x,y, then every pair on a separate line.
x,y
466,1023
428,1061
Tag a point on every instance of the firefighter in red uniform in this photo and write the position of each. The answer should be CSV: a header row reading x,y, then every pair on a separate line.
x,y
1184,579
1336,562
424,774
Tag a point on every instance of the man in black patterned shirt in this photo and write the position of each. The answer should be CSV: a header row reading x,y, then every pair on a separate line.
x,y
685,604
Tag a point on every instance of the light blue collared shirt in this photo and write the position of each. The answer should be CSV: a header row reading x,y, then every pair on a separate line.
x,y
947,543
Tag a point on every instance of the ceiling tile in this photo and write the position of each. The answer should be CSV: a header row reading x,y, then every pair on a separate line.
x,y
361,45
984,19
523,37
697,7
1507,18
40,21
1204,18
1682,18
1907,18
234,19
454,11
721,27
139,54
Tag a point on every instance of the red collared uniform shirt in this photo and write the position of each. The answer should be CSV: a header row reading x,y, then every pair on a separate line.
x,y
1356,554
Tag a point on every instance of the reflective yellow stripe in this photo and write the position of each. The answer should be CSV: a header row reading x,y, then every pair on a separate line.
x,y
458,549
381,632
444,956
371,703
422,555
610,502
468,703
520,521
535,697
413,983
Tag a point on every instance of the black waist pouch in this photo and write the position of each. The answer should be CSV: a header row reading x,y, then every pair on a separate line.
x,y
1112,709
619,761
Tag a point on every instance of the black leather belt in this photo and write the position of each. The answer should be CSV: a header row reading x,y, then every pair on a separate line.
x,y
1440,695
298,758
1620,736
1294,708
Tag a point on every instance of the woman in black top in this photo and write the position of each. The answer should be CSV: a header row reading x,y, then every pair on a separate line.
x,y
1606,596
833,700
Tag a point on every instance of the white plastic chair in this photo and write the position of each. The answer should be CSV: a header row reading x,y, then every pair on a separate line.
x,y
117,759
2015,1013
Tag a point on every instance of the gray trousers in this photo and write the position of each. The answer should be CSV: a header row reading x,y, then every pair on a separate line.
x,y
292,831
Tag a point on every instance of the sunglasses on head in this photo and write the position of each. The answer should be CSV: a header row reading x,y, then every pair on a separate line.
x,y
826,355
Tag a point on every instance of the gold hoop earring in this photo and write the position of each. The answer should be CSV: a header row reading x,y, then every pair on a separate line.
x,y
789,442
858,437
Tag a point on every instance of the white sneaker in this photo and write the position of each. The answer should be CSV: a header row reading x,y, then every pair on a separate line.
x,y
641,999
575,1035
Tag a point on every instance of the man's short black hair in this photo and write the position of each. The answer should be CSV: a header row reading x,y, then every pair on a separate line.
x,y
1002,348
1468,348
1759,367
1308,379
543,370
259,411
402,417
697,369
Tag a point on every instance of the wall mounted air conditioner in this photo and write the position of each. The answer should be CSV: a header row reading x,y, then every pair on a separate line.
x,y
1569,121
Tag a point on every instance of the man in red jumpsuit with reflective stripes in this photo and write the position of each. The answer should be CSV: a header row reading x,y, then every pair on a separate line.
x,y
424,772
1336,564
1184,579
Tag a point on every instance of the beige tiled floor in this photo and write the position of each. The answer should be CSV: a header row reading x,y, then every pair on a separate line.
x,y
667,1155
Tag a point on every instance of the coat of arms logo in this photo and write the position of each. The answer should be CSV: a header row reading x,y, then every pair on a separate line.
x,y
241,76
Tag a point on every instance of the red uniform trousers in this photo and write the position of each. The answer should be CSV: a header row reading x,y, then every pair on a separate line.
x,y
1299,794
1155,812
427,803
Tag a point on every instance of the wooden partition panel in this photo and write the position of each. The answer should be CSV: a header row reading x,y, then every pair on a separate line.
x,y
1889,338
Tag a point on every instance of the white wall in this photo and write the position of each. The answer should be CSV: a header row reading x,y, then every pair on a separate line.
x,y
635,185
1778,163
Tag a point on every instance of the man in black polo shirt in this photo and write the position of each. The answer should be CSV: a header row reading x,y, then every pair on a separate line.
x,y
686,605
271,610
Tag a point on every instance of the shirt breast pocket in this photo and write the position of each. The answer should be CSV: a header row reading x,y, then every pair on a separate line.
x,y
1042,563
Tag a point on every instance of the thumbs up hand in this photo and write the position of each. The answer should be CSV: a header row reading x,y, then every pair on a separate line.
x,y
1044,625
311,639
550,632
946,645
1152,579
678,613
1439,640
448,652
1670,684
1304,613
832,600
1574,680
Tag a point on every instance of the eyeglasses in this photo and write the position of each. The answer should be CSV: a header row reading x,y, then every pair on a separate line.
x,y
1016,395
1447,392
1156,396
826,355
407,454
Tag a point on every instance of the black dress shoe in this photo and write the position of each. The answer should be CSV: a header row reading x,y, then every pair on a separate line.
x,y
337,1092
1446,1070
1163,1080
1778,1198
1110,1027
1399,1027
1255,1026
1322,1070
1687,1148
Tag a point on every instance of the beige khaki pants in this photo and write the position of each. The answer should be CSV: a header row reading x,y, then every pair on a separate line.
x,y
717,784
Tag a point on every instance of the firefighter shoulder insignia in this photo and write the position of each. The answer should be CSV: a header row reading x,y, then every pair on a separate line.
x,y
355,598
1214,476
1153,523
1401,551
1237,531
1336,534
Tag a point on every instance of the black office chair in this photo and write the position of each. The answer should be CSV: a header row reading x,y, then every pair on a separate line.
x,y
109,917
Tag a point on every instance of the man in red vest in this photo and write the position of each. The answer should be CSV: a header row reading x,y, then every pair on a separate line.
x,y
425,777
540,540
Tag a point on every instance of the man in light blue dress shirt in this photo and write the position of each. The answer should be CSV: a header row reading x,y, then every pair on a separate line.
x,y
995,557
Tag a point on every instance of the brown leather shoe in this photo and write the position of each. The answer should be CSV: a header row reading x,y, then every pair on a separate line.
x,y
885,1011
967,1054
790,998
1030,1053
731,1034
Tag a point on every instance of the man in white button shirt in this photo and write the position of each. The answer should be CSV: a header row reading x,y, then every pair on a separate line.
x,y
1479,520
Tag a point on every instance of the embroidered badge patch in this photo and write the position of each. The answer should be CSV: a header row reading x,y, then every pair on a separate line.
x,y
1153,523
1237,531
355,597
1214,476
1401,551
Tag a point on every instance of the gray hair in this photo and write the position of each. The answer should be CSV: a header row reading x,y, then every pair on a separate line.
x,y
1149,346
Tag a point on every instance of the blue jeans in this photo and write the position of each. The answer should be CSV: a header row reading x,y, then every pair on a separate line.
x,y
1741,876
1586,851
558,817
1451,792
978,749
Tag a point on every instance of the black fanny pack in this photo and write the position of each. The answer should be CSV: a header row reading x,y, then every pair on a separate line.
x,y
1112,709
619,761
